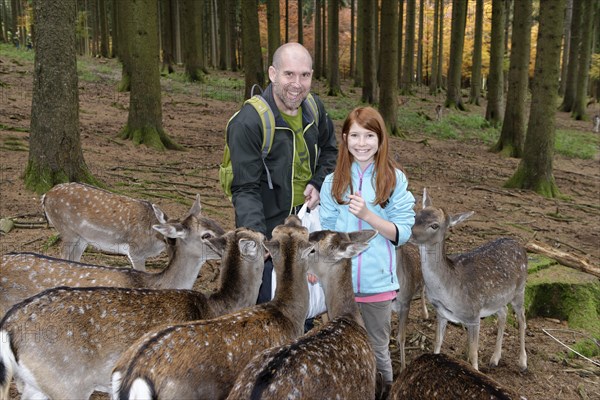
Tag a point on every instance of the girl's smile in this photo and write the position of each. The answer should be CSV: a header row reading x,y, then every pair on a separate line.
x,y
362,144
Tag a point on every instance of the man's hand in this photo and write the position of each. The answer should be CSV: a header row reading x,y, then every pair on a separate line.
x,y
311,196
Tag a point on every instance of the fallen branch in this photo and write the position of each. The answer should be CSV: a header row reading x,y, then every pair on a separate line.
x,y
566,259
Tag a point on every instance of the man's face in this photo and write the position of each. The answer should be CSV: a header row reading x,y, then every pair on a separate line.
x,y
291,81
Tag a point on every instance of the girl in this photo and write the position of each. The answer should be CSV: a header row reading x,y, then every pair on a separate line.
x,y
368,191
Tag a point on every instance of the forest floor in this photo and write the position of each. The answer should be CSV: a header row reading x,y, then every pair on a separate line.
x,y
460,175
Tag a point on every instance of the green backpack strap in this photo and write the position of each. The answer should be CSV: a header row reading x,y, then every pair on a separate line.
x,y
267,118
313,108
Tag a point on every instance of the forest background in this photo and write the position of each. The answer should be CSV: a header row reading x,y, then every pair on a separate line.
x,y
189,85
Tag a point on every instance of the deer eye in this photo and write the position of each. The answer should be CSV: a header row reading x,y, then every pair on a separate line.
x,y
435,226
207,235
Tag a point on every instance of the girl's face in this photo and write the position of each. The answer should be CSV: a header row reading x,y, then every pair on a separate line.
x,y
362,144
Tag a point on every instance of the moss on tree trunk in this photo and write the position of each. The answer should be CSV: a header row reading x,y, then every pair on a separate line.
x,y
151,137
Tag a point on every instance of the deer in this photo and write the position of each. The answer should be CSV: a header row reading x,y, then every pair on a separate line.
x,y
410,279
84,214
333,361
439,111
26,274
463,288
596,123
201,359
440,376
64,342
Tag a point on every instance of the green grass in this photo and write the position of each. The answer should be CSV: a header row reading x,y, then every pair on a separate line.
x,y
21,54
576,144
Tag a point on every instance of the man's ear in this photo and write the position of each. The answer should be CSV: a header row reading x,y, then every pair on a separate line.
x,y
272,73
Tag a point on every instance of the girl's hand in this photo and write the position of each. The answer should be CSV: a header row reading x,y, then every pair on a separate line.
x,y
357,206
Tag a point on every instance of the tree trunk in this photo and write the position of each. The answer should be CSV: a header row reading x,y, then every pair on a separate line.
x,y
573,66
167,35
233,34
360,21
224,56
352,37
103,28
144,123
409,49
333,44
253,68
457,37
420,43
433,83
193,53
300,23
535,170
495,97
388,104
585,55
512,136
477,50
123,22
318,72
368,51
55,153
273,29
440,76
566,44
400,40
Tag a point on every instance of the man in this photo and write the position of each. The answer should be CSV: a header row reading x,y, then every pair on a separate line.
x,y
304,151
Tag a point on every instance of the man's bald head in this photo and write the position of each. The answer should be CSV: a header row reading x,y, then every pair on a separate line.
x,y
290,50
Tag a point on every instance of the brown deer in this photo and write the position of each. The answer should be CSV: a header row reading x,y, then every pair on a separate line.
x,y
439,376
201,359
64,342
110,222
26,274
466,287
410,279
335,361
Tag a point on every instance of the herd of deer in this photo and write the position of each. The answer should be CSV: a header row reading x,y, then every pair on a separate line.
x,y
69,328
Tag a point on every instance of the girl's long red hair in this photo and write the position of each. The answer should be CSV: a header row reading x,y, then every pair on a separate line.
x,y
384,168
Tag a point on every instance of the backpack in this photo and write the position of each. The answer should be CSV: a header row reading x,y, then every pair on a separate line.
x,y
267,119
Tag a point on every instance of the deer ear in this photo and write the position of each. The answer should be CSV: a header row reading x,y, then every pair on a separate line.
x,y
172,231
160,216
272,247
196,207
248,248
351,249
426,199
307,250
456,219
362,236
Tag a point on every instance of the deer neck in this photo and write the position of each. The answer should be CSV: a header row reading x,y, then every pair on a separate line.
x,y
291,295
237,289
434,261
339,293
181,271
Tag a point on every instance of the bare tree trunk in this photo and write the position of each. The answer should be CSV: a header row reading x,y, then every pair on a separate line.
x,y
495,104
368,51
420,44
358,73
585,55
253,68
300,23
55,153
318,43
512,136
166,32
535,170
333,14
400,41
273,29
477,50
409,48
457,37
192,42
573,65
388,103
566,44
433,83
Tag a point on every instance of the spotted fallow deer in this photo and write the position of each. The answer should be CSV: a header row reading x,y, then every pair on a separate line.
x,y
110,222
26,274
466,287
201,359
334,361
64,342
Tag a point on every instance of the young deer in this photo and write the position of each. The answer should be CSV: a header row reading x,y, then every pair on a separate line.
x,y
335,361
64,342
117,224
467,287
436,376
201,359
410,279
26,274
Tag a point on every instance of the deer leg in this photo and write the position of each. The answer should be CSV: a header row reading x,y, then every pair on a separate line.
x,y
30,392
439,333
138,263
473,335
520,312
500,335
73,248
402,321
424,312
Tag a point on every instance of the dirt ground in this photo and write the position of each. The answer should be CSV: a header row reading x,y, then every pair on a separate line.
x,y
460,175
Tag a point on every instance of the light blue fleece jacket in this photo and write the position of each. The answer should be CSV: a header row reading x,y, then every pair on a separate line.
x,y
374,270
